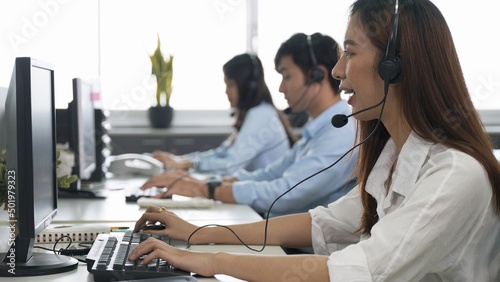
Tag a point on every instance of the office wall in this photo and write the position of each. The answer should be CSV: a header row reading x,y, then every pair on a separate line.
x,y
112,38
62,32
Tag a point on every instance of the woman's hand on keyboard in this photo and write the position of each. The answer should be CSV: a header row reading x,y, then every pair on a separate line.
x,y
200,263
175,227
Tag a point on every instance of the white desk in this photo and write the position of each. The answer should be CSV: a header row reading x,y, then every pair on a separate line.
x,y
114,210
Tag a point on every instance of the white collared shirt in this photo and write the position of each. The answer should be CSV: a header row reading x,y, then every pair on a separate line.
x,y
436,223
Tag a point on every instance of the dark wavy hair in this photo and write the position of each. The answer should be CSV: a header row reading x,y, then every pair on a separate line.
x,y
247,71
435,100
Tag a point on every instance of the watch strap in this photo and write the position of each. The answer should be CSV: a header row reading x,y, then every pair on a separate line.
x,y
212,184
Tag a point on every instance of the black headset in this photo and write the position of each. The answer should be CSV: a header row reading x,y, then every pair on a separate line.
x,y
253,83
317,74
390,68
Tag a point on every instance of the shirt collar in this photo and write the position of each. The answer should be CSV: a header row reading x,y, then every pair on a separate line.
x,y
410,160
313,126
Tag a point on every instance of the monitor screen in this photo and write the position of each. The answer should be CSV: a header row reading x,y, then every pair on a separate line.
x,y
82,129
3,96
31,169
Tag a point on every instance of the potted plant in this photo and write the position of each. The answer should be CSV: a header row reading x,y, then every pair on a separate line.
x,y
64,177
160,115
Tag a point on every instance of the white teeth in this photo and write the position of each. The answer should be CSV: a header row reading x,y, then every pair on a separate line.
x,y
349,92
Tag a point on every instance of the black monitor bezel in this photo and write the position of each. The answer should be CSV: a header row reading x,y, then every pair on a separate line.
x,y
77,119
20,259
20,158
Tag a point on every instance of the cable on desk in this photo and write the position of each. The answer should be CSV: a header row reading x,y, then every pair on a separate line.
x,y
67,251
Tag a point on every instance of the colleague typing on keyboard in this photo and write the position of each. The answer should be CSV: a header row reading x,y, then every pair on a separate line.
x,y
427,206
320,146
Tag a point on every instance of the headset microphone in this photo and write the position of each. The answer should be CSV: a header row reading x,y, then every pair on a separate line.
x,y
233,111
340,120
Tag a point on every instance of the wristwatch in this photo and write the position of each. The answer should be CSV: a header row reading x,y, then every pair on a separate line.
x,y
213,183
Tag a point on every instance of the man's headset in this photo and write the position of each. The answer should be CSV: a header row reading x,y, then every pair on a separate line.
x,y
391,73
315,74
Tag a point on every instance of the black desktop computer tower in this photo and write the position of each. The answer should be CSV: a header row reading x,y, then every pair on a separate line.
x,y
103,144
102,140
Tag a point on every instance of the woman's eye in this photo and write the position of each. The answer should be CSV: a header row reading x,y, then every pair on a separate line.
x,y
347,54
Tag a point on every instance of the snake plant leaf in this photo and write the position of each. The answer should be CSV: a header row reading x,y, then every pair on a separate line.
x,y
163,71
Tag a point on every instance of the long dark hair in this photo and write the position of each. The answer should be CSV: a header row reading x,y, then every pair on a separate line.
x,y
435,99
247,71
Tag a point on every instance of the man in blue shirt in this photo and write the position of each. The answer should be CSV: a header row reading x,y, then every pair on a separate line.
x,y
305,63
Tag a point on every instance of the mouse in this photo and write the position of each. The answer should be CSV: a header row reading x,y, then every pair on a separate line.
x,y
153,227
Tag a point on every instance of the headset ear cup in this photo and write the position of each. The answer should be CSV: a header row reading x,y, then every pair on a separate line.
x,y
391,70
317,75
400,74
252,87
253,83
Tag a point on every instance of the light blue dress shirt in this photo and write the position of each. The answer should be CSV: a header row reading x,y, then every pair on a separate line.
x,y
320,146
261,140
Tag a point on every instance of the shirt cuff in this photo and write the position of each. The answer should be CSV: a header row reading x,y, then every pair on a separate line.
x,y
242,174
350,264
242,192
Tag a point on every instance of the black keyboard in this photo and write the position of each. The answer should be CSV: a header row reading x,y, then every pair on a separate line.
x,y
108,258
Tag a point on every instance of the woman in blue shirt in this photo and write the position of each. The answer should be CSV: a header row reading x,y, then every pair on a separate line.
x,y
261,132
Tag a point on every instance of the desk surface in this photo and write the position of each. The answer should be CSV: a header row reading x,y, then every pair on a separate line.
x,y
114,210
172,131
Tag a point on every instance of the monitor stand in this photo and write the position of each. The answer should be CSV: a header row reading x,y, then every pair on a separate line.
x,y
39,264
87,190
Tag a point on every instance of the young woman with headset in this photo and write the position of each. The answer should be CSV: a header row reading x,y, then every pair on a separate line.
x,y
262,133
427,206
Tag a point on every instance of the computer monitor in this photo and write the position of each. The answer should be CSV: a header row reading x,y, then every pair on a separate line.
x,y
82,129
76,125
3,133
31,169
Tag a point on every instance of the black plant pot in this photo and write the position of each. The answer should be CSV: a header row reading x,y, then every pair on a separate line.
x,y
160,116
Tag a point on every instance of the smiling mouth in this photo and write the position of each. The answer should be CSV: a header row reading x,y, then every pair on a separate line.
x,y
349,92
